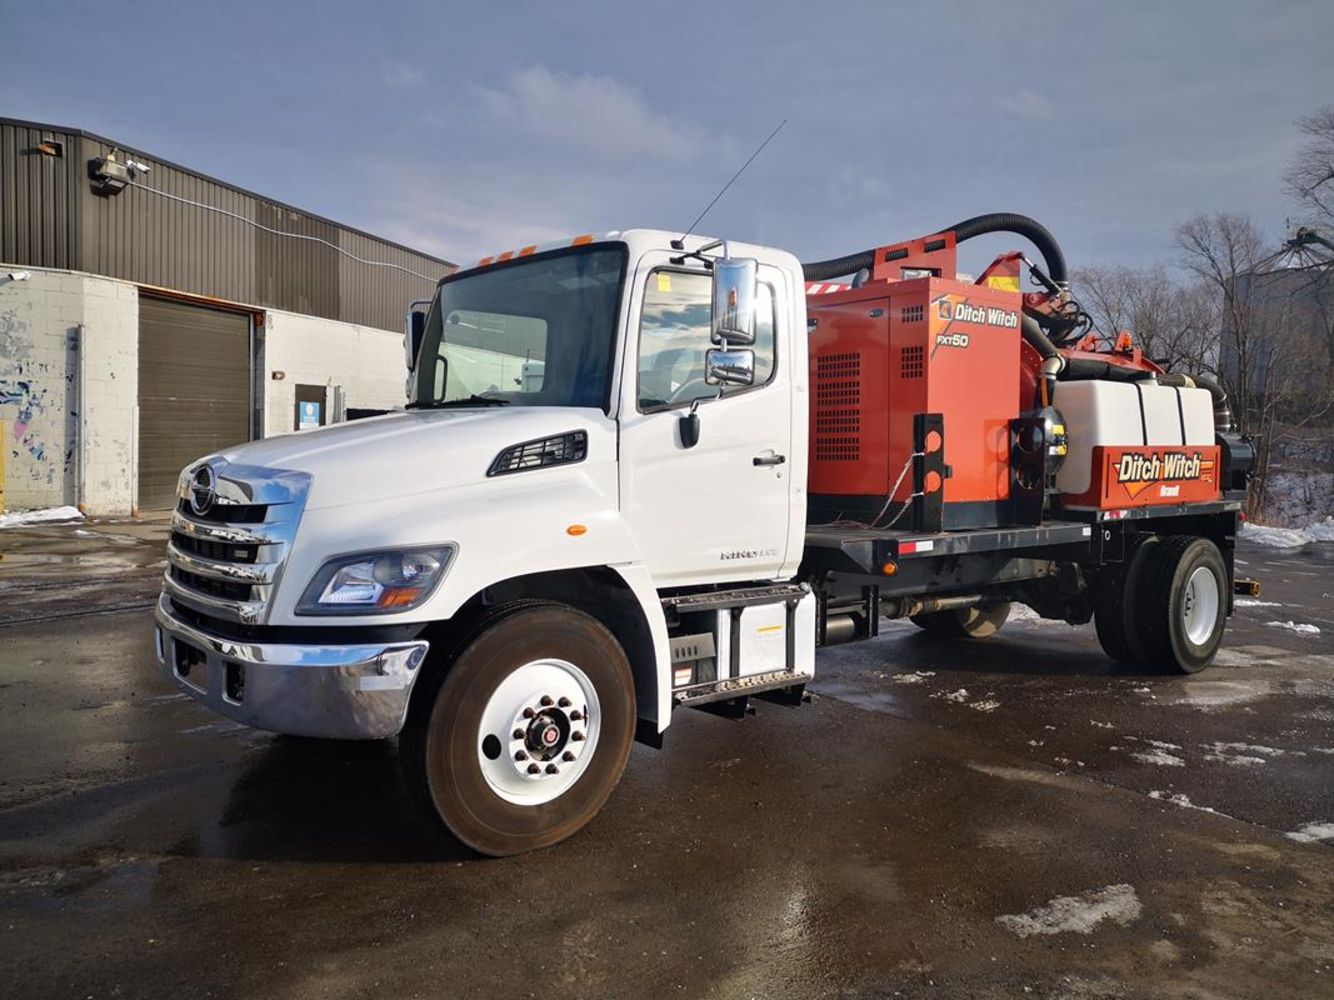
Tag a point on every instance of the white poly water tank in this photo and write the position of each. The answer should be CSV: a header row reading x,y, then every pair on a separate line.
x,y
1111,414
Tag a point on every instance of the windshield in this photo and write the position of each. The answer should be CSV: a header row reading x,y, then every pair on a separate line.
x,y
538,332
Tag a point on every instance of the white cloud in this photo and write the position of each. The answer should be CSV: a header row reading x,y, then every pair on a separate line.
x,y
401,76
595,113
1026,104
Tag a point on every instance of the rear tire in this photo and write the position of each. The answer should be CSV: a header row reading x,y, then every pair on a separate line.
x,y
541,687
1181,605
1115,607
980,622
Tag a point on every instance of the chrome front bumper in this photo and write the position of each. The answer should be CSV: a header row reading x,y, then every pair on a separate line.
x,y
350,692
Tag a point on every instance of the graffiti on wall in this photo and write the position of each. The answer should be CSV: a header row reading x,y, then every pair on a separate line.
x,y
17,389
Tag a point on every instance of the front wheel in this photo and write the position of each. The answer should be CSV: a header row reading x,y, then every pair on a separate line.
x,y
518,742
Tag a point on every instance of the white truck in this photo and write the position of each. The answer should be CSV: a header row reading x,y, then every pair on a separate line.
x,y
594,511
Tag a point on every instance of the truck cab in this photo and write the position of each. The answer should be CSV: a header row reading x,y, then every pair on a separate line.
x,y
593,507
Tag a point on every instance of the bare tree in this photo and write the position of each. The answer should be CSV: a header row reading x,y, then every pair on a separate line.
x,y
1311,177
1268,367
1175,323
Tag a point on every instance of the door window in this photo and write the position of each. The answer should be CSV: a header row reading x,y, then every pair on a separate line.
x,y
674,337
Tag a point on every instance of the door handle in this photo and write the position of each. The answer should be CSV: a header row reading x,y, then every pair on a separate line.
x,y
768,460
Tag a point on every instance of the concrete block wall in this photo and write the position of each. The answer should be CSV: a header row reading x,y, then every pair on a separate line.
x,y
45,320
365,361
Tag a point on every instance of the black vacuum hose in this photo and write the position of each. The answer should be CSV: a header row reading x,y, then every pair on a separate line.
x,y
823,270
1010,222
995,222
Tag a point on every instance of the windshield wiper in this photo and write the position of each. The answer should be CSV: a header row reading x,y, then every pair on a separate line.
x,y
442,404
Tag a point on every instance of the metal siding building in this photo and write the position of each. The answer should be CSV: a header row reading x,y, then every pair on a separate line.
x,y
174,318
50,216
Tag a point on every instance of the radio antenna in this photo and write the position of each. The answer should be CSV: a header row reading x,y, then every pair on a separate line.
x,y
679,244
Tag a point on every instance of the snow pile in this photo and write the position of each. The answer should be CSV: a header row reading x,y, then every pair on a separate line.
x,y
20,518
1077,914
1313,833
1288,538
1299,627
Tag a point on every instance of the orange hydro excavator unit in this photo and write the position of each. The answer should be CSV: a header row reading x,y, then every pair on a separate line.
x,y
941,404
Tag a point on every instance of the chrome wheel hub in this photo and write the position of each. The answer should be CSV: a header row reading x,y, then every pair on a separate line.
x,y
539,731
1200,604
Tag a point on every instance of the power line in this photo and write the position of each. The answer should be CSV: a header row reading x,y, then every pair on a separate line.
x,y
278,232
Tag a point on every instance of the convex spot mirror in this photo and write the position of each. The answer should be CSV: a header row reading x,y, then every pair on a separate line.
x,y
735,285
729,366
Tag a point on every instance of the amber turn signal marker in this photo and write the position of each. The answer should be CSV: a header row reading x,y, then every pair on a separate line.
x,y
889,569
576,530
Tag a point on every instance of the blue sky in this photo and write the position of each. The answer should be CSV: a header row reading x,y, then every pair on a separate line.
x,y
469,128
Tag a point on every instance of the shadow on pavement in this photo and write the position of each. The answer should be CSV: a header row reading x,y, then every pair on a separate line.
x,y
323,801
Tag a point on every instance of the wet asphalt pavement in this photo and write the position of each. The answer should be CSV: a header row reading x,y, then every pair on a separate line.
x,y
1005,818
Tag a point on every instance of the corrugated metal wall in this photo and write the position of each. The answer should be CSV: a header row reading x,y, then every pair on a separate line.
x,y
50,217
38,220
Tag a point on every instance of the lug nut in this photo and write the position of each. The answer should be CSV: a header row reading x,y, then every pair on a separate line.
x,y
528,713
577,737
567,756
520,755
546,701
563,703
576,715
517,734
534,769
552,769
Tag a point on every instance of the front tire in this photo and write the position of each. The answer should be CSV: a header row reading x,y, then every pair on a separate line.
x,y
518,742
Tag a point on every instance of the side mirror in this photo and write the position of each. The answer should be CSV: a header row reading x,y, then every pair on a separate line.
x,y
735,283
729,366
414,329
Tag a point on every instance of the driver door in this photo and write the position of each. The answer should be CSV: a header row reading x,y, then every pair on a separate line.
x,y
718,511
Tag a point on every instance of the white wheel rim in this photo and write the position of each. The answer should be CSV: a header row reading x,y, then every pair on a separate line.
x,y
537,700
1199,605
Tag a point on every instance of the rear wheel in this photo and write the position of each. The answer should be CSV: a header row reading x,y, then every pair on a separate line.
x,y
518,743
978,622
1115,607
1181,607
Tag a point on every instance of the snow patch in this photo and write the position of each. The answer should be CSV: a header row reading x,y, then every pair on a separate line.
x,y
1180,800
1313,833
989,705
958,697
916,677
1077,914
1288,538
1251,602
24,517
1023,613
1159,758
1299,627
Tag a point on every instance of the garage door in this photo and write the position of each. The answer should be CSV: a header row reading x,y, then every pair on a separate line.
x,y
194,390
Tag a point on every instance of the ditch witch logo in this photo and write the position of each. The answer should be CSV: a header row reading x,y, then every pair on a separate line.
x,y
1137,472
953,308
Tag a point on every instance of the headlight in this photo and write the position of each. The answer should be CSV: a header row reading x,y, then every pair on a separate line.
x,y
377,582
